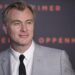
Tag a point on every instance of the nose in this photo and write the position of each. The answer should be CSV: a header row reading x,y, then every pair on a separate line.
x,y
23,27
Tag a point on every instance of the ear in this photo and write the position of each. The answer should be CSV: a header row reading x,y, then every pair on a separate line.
x,y
5,29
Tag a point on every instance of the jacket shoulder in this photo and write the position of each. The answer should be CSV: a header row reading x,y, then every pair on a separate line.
x,y
4,54
50,50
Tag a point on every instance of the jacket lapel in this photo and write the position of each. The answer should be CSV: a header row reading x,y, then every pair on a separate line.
x,y
6,64
36,62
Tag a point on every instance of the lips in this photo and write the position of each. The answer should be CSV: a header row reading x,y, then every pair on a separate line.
x,y
23,35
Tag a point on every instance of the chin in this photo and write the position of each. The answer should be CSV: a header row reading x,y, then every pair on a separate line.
x,y
25,43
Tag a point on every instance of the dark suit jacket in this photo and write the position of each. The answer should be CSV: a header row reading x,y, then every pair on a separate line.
x,y
46,61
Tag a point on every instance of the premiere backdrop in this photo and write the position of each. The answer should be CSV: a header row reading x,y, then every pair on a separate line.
x,y
54,27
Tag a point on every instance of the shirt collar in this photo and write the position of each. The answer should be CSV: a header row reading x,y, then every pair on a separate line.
x,y
28,53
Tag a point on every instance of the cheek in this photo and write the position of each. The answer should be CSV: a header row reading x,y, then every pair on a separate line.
x,y
31,28
12,31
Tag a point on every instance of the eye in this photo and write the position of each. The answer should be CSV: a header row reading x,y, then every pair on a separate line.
x,y
29,22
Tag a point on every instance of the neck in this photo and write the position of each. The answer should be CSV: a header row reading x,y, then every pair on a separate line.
x,y
20,48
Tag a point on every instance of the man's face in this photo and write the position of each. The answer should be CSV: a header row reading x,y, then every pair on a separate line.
x,y
20,26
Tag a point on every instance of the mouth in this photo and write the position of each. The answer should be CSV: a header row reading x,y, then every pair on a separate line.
x,y
23,36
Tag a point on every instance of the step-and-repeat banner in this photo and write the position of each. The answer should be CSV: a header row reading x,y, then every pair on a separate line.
x,y
54,27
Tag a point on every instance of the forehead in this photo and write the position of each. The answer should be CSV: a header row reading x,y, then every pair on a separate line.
x,y
15,13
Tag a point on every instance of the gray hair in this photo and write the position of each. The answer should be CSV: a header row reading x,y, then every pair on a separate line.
x,y
17,5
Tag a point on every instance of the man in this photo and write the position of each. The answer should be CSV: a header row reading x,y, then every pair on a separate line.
x,y
19,19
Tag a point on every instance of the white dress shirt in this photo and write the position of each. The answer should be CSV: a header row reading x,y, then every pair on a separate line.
x,y
14,60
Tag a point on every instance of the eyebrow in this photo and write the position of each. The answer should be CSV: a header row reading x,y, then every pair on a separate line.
x,y
29,20
15,21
